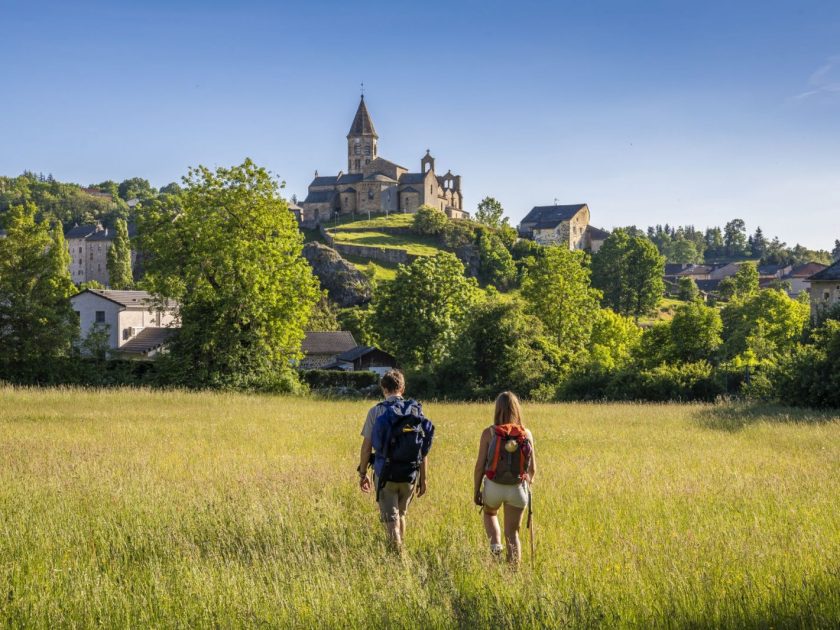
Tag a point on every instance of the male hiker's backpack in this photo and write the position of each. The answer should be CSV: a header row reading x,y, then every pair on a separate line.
x,y
403,444
509,454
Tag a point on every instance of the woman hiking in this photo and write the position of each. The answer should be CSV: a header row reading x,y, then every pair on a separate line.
x,y
506,464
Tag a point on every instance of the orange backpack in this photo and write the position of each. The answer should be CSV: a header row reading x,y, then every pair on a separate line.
x,y
509,454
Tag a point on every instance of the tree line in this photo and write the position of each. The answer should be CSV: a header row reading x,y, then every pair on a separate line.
x,y
547,322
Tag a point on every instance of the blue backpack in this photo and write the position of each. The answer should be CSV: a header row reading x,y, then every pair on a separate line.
x,y
404,440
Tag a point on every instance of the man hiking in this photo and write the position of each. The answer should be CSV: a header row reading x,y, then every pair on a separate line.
x,y
400,437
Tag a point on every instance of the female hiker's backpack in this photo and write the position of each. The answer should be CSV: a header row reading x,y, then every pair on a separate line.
x,y
404,440
509,454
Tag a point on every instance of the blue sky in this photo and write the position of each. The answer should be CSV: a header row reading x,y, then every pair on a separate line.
x,y
650,112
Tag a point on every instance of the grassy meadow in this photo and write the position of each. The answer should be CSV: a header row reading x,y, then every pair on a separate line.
x,y
134,509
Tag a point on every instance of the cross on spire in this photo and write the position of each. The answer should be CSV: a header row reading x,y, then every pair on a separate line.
x,y
363,89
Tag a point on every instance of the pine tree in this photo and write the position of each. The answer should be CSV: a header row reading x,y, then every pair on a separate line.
x,y
119,258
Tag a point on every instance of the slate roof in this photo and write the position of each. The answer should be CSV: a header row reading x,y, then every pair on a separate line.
x,y
597,233
80,231
380,161
672,269
328,342
320,196
362,124
102,235
546,217
412,178
146,340
806,270
708,286
350,178
410,189
829,273
325,180
129,299
695,269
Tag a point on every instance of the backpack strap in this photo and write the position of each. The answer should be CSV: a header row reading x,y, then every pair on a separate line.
x,y
495,461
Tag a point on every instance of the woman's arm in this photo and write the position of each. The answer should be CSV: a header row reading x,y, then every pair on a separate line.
x,y
532,467
478,474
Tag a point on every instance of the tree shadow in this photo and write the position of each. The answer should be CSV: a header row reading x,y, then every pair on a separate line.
x,y
733,417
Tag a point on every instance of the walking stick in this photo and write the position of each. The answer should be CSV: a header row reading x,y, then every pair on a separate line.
x,y
530,526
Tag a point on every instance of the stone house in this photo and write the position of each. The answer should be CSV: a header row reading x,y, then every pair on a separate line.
x,y
88,247
133,324
825,289
364,358
719,272
697,272
798,276
373,184
562,225
323,348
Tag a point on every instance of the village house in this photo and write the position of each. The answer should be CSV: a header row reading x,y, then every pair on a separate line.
x,y
134,326
798,276
373,184
322,348
825,289
562,225
364,358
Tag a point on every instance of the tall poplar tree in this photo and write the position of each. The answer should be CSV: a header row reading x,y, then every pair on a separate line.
x,y
119,258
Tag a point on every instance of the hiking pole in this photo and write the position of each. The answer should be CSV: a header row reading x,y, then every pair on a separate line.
x,y
530,526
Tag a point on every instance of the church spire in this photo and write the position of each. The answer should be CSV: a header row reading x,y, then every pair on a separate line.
x,y
362,124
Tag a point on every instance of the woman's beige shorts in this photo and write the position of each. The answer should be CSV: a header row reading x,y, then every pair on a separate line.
x,y
497,493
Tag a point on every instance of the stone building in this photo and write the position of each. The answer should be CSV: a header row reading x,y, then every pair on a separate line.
x,y
88,246
825,289
562,225
376,185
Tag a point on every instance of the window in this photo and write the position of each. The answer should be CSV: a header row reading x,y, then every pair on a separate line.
x,y
431,190
356,150
80,250
370,193
367,149
100,317
91,255
826,295
367,162
358,164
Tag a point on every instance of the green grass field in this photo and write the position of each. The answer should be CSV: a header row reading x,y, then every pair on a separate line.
x,y
417,245
136,509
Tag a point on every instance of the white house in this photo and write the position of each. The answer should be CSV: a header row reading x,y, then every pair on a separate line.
x,y
134,325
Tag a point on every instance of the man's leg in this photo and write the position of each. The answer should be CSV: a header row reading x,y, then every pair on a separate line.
x,y
513,521
389,513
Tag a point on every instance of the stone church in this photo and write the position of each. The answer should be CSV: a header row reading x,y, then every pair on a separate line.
x,y
374,184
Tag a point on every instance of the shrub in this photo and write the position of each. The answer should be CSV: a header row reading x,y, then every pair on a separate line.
x,y
429,221
683,382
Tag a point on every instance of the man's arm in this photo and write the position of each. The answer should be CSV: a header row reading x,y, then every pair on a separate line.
x,y
421,482
364,458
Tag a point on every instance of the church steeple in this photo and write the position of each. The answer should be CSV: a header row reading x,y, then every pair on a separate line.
x,y
361,141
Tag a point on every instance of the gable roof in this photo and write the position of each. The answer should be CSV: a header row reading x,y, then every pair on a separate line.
x,y
80,231
379,177
320,196
102,235
362,124
150,338
551,216
128,299
349,178
381,161
324,180
806,270
328,342
829,273
597,233
412,178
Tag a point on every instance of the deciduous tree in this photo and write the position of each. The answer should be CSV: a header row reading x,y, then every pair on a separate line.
x,y
490,212
229,251
119,258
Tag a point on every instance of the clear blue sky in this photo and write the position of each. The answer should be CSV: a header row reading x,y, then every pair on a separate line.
x,y
650,112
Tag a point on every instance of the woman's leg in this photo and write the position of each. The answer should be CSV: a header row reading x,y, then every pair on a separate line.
x,y
513,520
491,526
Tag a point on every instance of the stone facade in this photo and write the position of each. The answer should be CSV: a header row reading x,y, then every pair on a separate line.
x,y
562,225
88,247
375,185
825,289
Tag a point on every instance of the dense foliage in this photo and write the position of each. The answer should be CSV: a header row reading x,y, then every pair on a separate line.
x,y
227,249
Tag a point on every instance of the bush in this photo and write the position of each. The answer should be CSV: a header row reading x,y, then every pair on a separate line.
x,y
429,221
683,382
325,379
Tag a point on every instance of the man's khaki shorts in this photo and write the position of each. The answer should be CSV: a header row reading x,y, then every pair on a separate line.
x,y
394,499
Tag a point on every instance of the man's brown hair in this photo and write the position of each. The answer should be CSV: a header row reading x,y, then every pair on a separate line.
x,y
393,381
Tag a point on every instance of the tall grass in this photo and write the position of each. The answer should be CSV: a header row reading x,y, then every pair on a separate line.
x,y
135,509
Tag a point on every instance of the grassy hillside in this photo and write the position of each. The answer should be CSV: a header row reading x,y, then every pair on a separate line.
x,y
132,508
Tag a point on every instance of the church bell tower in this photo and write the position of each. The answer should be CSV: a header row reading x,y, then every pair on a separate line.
x,y
361,141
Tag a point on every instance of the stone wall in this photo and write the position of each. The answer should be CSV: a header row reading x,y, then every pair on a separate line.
x,y
379,254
